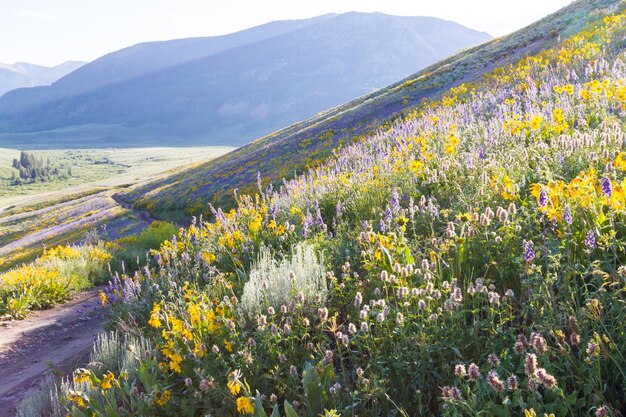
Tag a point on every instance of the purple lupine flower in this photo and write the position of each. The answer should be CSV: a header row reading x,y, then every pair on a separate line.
x,y
529,253
319,218
338,209
567,215
481,153
259,183
543,197
590,241
607,188
387,215
395,201
307,223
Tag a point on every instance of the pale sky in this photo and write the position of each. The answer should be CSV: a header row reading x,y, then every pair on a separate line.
x,y
49,32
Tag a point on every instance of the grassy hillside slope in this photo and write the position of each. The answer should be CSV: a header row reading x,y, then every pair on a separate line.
x,y
290,151
466,261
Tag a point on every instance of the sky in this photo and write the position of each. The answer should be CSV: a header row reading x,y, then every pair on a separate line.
x,y
49,32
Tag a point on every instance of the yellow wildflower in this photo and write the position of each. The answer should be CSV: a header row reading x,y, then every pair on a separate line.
x,y
109,378
103,298
194,314
82,375
245,405
234,386
535,122
255,224
164,398
620,161
154,316
228,345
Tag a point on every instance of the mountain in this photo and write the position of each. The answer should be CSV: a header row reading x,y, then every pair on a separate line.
x,y
143,58
289,151
231,89
21,74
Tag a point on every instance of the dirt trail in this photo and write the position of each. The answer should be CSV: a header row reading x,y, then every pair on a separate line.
x,y
59,337
141,214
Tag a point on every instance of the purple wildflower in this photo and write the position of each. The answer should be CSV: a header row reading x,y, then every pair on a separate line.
x,y
607,189
543,197
529,253
590,241
567,215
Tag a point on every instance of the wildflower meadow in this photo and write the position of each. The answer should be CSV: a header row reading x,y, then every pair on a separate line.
x,y
468,260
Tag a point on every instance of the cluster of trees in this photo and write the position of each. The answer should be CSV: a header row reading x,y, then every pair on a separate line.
x,y
32,169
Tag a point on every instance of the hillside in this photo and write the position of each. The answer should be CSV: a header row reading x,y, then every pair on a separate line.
x,y
466,260
291,150
240,91
21,74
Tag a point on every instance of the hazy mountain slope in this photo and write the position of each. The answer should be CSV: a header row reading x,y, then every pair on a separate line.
x,y
22,74
144,58
290,150
242,93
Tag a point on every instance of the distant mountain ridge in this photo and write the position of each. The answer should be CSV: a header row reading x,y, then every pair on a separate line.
x,y
22,74
246,85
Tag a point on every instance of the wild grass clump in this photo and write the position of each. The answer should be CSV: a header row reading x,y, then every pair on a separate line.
x,y
113,354
276,283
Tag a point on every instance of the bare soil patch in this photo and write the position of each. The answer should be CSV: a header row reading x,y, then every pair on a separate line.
x,y
57,339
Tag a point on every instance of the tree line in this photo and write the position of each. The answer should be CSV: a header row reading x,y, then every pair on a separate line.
x,y
33,169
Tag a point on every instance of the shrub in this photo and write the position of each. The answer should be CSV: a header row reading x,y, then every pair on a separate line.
x,y
275,283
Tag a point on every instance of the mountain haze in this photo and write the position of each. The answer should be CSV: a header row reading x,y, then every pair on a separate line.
x,y
21,74
228,90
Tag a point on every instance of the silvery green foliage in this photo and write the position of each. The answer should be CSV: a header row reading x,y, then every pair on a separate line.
x,y
111,352
114,352
44,402
275,283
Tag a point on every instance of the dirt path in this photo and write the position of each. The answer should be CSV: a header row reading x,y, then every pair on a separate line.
x,y
141,214
59,337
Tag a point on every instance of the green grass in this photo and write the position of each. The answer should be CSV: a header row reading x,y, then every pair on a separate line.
x,y
96,165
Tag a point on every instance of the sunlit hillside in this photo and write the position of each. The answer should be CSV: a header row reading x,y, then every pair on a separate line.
x,y
292,150
467,260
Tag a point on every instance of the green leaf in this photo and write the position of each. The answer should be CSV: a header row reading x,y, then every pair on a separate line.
x,y
258,407
313,389
289,410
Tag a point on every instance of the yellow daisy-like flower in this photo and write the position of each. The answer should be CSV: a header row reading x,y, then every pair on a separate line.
x,y
164,398
620,161
82,375
535,122
154,316
103,298
107,381
234,387
228,345
245,405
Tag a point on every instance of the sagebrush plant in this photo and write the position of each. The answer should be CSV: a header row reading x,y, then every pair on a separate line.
x,y
115,356
275,283
474,258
